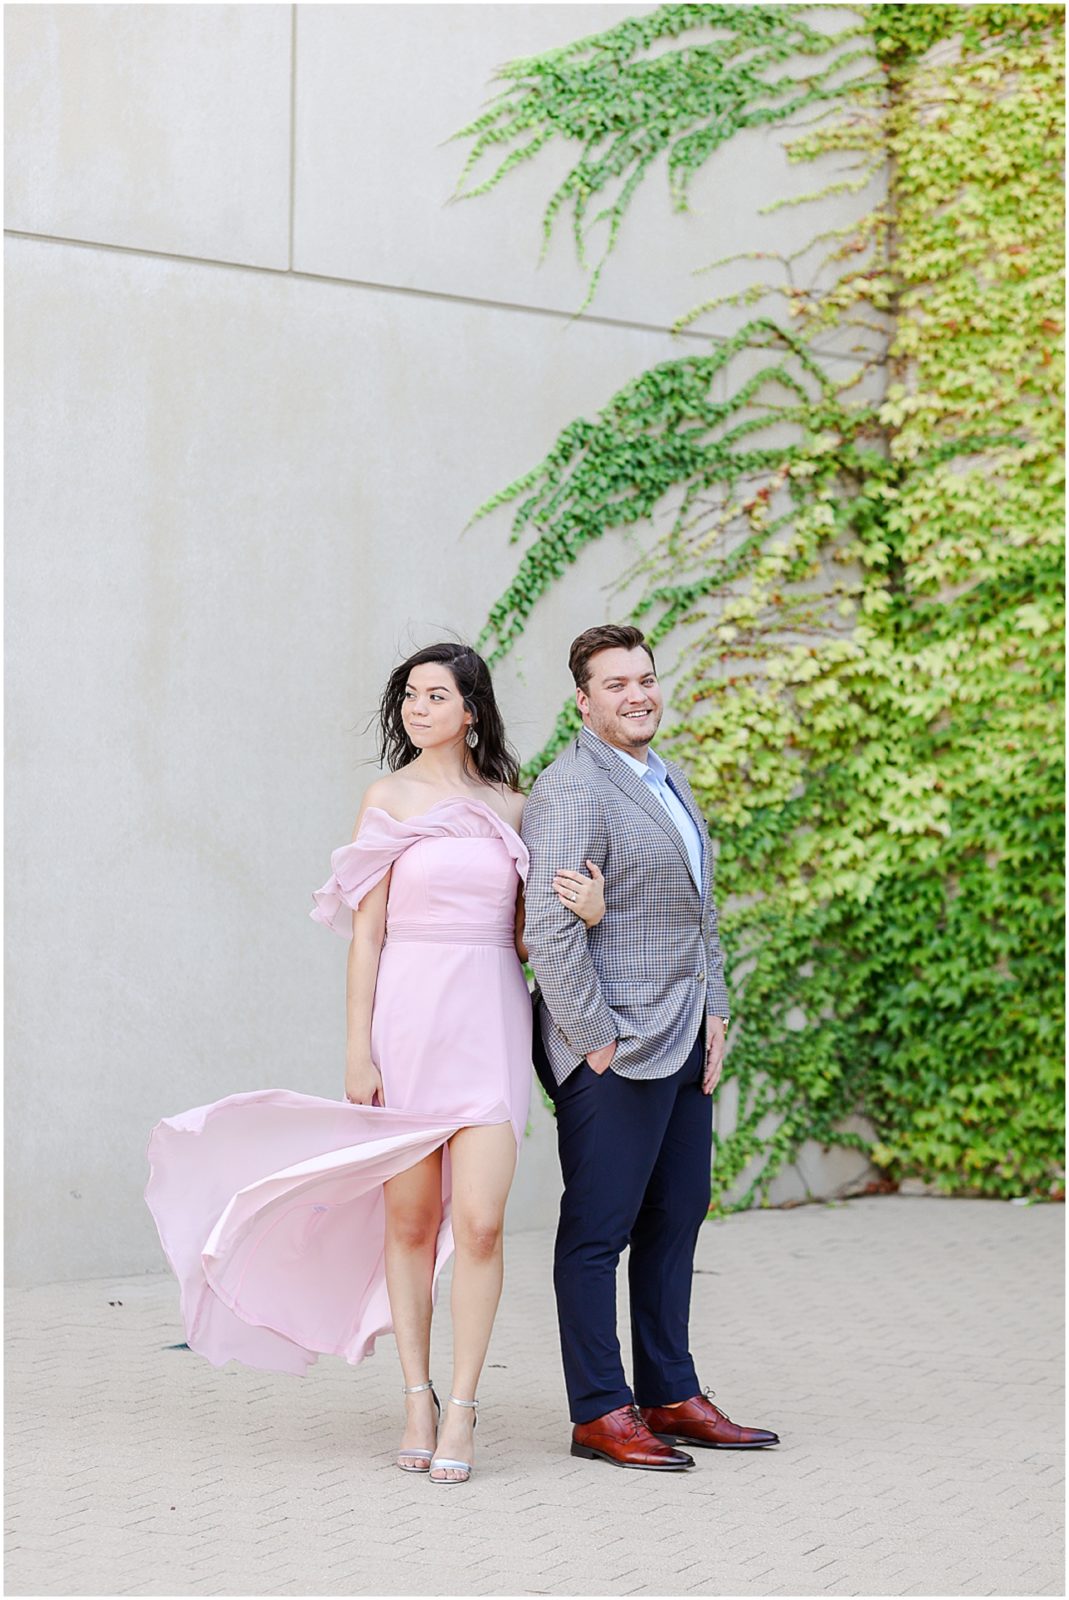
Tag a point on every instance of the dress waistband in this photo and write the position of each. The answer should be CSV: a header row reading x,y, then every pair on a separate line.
x,y
449,933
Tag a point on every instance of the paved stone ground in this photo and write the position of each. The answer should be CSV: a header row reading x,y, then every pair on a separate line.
x,y
907,1350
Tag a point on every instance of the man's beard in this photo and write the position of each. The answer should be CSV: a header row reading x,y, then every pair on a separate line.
x,y
637,737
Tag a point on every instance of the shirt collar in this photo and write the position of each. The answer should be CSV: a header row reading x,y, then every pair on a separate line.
x,y
653,768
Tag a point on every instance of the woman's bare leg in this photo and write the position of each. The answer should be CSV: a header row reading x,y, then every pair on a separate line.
x,y
413,1217
483,1162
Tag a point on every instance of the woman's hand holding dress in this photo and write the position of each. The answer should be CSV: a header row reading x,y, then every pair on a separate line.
x,y
363,1083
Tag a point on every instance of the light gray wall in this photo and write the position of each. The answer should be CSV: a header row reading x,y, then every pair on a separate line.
x,y
259,376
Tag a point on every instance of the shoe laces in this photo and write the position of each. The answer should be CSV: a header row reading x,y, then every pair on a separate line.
x,y
637,1424
709,1393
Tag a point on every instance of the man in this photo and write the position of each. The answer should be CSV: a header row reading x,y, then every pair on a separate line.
x,y
629,1045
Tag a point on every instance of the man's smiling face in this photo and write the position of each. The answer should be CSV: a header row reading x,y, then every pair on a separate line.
x,y
621,701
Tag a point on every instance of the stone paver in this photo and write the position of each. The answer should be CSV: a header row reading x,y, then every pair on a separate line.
x,y
908,1351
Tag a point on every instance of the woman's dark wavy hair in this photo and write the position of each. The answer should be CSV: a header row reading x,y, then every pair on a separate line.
x,y
492,758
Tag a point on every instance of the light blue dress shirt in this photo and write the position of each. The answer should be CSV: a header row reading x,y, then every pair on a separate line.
x,y
654,775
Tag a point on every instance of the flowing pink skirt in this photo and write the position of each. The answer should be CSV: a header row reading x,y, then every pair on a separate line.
x,y
270,1205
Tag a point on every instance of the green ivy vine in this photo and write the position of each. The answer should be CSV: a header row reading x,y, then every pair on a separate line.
x,y
869,700
624,109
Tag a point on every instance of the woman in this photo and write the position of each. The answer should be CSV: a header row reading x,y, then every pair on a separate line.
x,y
297,1225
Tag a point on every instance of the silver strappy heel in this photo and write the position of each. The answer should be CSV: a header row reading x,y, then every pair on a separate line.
x,y
421,1455
465,1467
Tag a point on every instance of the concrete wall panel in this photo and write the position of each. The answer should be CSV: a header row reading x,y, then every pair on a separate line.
x,y
238,496
160,127
380,90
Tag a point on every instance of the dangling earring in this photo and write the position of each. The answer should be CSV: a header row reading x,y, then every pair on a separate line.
x,y
471,738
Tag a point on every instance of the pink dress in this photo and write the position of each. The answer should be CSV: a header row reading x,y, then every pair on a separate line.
x,y
269,1205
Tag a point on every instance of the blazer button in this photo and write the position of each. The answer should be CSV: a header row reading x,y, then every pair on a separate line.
x,y
699,977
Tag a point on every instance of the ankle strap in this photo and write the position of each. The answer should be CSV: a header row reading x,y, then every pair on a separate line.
x,y
472,1405
418,1388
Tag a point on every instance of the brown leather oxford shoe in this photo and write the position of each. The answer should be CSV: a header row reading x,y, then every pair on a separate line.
x,y
698,1421
623,1438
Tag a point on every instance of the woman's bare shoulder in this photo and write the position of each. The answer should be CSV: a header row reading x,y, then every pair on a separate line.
x,y
386,793
514,802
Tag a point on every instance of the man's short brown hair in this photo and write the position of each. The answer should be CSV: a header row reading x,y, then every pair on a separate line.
x,y
610,636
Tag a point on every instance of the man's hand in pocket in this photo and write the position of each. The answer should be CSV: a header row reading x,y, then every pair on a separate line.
x,y
601,1060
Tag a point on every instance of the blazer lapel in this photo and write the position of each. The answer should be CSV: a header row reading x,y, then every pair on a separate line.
x,y
632,785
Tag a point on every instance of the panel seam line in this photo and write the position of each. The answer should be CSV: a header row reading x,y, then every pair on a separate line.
x,y
413,292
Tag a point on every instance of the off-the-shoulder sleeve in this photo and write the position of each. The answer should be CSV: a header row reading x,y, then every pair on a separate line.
x,y
355,870
358,867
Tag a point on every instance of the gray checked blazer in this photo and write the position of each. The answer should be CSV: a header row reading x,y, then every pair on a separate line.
x,y
653,966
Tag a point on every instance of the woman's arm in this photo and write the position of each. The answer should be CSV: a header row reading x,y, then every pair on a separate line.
x,y
521,948
363,1081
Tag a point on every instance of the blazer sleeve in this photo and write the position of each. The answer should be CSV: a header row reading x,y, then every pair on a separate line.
x,y
561,828
717,1003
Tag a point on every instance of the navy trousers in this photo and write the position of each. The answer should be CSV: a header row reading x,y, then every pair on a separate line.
x,y
636,1158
